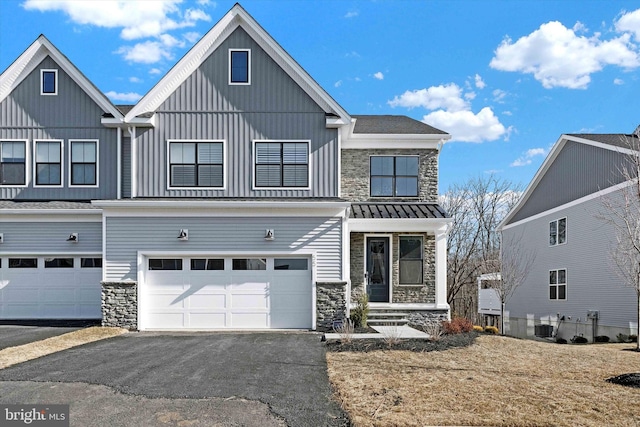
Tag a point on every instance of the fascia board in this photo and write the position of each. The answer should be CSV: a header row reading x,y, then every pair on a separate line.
x,y
390,225
393,143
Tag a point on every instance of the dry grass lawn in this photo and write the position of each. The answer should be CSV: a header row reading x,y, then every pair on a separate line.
x,y
22,353
497,381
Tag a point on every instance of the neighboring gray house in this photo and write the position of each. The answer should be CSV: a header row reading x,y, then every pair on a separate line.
x,y
572,286
236,194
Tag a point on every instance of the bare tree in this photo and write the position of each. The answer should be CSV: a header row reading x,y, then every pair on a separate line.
x,y
622,212
473,247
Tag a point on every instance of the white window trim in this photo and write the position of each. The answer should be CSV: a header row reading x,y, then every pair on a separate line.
x,y
422,237
416,197
97,184
248,83
224,164
35,171
26,164
55,72
566,285
253,164
389,261
557,221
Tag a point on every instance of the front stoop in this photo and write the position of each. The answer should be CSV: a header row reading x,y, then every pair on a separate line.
x,y
384,332
386,317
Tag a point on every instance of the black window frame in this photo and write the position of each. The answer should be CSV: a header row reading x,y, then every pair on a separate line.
x,y
13,162
282,164
197,164
394,176
403,260
241,64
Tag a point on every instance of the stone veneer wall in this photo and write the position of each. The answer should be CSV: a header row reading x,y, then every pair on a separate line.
x,y
120,304
423,318
424,293
330,304
355,174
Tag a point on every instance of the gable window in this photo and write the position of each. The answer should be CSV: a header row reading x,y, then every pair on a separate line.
x,y
13,162
410,260
558,232
558,284
48,82
84,162
196,164
48,161
394,176
282,164
239,66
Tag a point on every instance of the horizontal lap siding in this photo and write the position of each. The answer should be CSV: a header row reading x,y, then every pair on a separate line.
x,y
127,236
50,237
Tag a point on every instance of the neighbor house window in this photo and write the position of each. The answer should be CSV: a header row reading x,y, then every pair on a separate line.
x,y
411,260
394,176
48,161
13,162
196,164
282,164
48,82
558,284
558,232
84,162
240,66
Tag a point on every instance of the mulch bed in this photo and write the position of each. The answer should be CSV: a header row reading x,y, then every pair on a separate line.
x,y
628,380
417,345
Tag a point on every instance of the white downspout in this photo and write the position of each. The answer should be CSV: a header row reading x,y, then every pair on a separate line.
x,y
119,165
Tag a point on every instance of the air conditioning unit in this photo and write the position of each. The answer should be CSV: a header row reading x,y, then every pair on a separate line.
x,y
543,331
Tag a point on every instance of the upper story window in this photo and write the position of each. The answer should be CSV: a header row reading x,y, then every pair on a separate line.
x,y
558,232
84,162
196,164
282,164
558,284
239,66
13,162
48,82
48,163
411,260
394,176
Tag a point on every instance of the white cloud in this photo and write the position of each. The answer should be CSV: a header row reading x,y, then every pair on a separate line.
x,y
470,96
378,76
148,52
618,82
351,14
448,97
558,57
466,126
630,23
191,36
507,113
528,156
128,97
155,71
135,80
480,84
338,83
499,95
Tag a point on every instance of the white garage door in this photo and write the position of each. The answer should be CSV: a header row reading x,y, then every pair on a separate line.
x,y
210,293
50,287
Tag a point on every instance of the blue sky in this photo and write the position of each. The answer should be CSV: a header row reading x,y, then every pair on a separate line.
x,y
505,78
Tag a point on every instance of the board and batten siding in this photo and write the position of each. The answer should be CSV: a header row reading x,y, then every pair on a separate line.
x,y
578,170
206,107
50,238
71,114
592,284
222,235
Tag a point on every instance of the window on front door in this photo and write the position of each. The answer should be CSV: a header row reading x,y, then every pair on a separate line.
x,y
394,176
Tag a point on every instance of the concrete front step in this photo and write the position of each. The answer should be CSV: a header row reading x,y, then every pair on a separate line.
x,y
374,322
388,314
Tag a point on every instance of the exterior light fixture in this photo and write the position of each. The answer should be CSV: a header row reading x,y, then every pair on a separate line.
x,y
183,235
73,238
269,235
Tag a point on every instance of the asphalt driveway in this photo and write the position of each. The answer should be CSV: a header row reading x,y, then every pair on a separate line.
x,y
284,374
19,334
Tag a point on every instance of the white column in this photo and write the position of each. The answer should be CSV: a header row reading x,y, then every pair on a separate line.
x,y
441,268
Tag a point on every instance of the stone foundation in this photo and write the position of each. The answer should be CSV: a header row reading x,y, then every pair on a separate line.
x,y
330,304
422,318
120,304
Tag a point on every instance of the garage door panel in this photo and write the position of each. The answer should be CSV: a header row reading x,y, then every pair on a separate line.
x,y
211,301
249,301
208,320
249,320
19,294
282,319
247,284
59,295
167,320
169,300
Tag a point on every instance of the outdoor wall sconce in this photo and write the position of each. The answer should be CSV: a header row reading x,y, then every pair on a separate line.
x,y
73,238
269,235
183,235
1,237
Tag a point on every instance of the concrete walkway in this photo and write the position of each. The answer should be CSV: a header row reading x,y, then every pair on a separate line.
x,y
402,332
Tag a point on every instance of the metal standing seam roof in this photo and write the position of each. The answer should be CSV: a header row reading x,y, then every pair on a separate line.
x,y
396,210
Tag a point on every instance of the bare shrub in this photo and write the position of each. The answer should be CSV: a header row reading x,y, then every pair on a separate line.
x,y
345,330
434,329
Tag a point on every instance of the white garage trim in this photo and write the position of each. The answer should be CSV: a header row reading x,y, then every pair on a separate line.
x,y
143,272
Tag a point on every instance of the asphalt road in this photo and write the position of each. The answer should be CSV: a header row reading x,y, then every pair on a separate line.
x,y
274,376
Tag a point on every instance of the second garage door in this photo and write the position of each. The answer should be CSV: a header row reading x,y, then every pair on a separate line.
x,y
238,293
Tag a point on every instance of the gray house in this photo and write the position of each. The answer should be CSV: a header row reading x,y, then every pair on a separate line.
x,y
571,286
235,194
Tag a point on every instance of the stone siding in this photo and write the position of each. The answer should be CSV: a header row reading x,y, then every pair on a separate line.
x,y
120,304
423,318
355,174
330,304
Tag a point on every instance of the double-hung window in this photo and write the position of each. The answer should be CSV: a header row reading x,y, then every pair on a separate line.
x,y
48,162
48,82
196,164
84,162
558,284
394,176
282,164
13,162
239,66
558,232
411,260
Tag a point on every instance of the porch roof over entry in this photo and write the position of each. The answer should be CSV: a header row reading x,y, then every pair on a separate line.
x,y
396,210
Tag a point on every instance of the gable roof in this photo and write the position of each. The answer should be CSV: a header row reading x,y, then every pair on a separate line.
x,y
619,143
29,60
388,124
237,17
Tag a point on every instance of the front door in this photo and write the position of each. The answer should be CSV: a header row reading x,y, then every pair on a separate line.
x,y
378,269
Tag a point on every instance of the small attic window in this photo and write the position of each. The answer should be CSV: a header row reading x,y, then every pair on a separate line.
x,y
239,66
48,82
